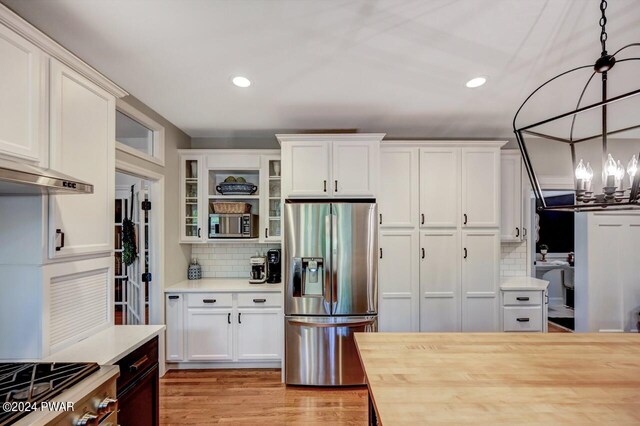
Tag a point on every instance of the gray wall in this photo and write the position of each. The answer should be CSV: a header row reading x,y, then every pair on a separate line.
x,y
176,255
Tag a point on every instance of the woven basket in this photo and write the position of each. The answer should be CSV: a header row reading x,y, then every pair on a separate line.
x,y
231,207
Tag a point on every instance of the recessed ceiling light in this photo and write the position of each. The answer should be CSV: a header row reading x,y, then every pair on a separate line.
x,y
241,81
476,82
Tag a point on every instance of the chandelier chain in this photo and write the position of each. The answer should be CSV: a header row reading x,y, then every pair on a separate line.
x,y
603,24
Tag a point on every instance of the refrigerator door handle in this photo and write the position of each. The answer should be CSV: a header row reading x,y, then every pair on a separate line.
x,y
349,323
328,264
334,261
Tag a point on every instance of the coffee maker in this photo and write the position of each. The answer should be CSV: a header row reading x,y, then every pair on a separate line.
x,y
258,269
274,266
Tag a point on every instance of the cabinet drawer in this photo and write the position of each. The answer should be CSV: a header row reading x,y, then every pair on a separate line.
x,y
259,299
209,300
522,298
522,319
137,363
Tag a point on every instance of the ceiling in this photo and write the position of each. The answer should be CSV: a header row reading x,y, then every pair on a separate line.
x,y
398,67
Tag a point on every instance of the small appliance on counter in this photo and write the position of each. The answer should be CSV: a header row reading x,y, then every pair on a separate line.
x,y
258,269
233,225
274,266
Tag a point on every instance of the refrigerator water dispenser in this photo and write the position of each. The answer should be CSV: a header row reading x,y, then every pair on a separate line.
x,y
308,277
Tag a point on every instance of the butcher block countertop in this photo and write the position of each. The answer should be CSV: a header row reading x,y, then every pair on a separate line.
x,y
509,378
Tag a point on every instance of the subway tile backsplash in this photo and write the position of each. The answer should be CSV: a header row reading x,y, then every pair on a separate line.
x,y
513,259
227,260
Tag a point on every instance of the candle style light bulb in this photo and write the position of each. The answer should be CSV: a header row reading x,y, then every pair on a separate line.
x,y
610,170
632,168
619,175
589,177
581,171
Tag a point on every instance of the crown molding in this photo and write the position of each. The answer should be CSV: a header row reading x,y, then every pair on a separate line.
x,y
373,137
13,21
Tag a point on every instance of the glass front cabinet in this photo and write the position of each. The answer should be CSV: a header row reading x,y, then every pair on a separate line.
x,y
192,223
202,172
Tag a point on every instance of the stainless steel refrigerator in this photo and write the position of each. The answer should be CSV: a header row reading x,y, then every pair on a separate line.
x,y
331,279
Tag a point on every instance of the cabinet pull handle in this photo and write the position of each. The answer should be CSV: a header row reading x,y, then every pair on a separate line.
x,y
266,232
239,316
174,297
259,300
465,253
229,318
380,218
422,219
139,363
465,219
517,232
336,186
61,234
524,232
522,299
199,229
423,253
208,300
522,319
325,186
380,252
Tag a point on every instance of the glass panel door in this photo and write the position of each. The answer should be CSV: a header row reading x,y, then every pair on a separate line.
x,y
191,187
274,201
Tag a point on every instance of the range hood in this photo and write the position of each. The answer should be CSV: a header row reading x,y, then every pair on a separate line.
x,y
23,179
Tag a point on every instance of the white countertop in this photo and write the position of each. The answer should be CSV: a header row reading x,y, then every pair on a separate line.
x,y
74,394
222,285
523,283
108,346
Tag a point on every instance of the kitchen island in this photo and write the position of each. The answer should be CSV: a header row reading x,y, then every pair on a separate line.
x,y
510,378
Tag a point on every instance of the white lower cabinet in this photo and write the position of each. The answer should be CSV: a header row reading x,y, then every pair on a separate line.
x,y
258,334
524,310
209,336
217,327
398,277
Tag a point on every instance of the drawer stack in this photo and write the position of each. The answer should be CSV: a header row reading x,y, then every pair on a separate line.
x,y
523,310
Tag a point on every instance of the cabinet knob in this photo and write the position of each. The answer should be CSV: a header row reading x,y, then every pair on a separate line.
x,y
465,253
107,405
465,219
517,232
325,186
380,218
380,252
336,186
60,237
423,253
229,318
421,218
199,229
266,232
88,419
239,317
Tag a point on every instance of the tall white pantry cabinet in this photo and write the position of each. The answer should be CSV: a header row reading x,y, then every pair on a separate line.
x,y
439,263
56,264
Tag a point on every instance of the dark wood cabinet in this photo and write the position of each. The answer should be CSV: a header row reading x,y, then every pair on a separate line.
x,y
138,387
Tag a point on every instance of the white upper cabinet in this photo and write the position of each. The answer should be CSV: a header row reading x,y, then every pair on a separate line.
x,y
355,166
480,280
439,187
334,165
440,280
306,169
21,103
398,277
480,187
399,187
82,138
511,228
193,227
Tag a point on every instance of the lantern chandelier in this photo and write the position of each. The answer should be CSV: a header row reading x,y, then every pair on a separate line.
x,y
618,187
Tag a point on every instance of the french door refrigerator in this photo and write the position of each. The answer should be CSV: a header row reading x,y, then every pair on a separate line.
x,y
331,279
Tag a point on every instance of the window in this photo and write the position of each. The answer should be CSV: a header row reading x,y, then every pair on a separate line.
x,y
139,135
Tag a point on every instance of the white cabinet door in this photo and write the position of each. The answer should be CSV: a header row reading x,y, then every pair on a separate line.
x,y
259,335
480,280
82,145
440,280
21,103
481,187
306,169
271,199
193,211
209,334
175,327
398,277
399,187
511,197
439,187
355,166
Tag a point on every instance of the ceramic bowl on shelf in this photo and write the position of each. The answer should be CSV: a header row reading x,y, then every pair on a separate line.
x,y
234,188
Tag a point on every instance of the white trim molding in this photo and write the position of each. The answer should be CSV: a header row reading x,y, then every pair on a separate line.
x,y
13,21
148,122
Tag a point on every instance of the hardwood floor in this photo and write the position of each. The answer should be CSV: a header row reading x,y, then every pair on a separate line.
x,y
557,329
254,397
